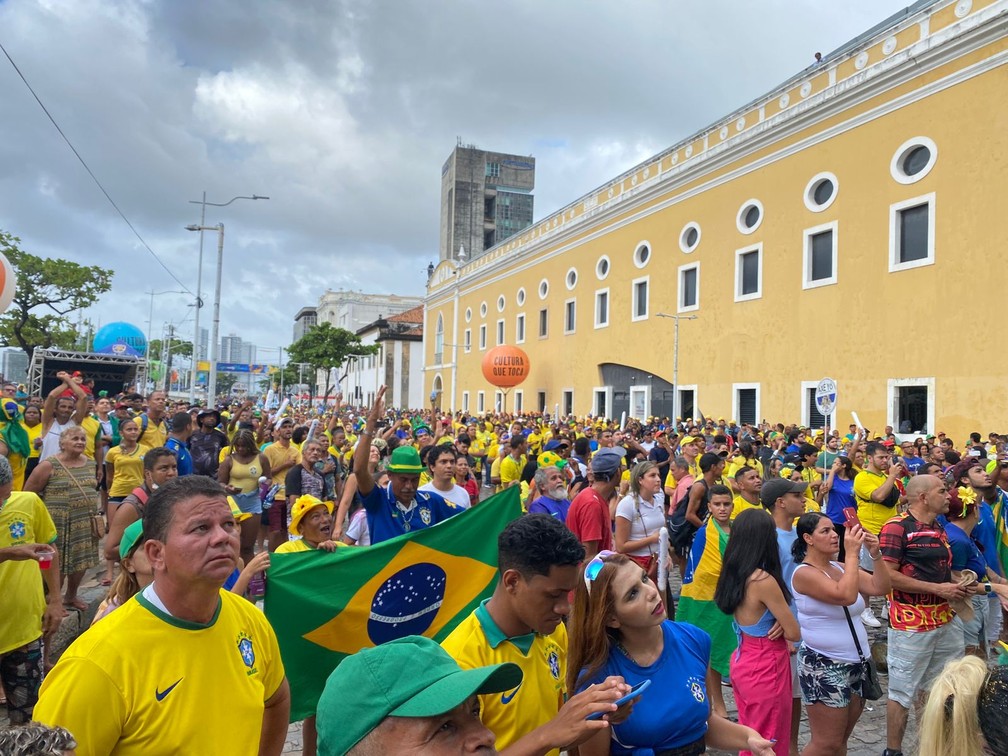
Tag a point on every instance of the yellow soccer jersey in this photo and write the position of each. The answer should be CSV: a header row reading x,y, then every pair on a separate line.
x,y
155,434
23,519
159,679
512,715
289,547
511,469
741,505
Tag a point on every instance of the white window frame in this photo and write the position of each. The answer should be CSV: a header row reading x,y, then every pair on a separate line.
x,y
678,397
598,268
481,402
541,321
636,390
894,383
467,340
499,332
736,387
637,250
896,164
520,328
804,414
499,398
598,322
686,248
634,316
758,294
680,307
482,338
541,395
809,196
606,392
518,404
465,401
573,324
894,240
807,234
740,216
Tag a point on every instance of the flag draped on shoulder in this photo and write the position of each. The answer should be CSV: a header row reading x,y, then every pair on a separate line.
x,y
324,606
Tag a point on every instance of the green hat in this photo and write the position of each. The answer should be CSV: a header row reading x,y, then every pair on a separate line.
x,y
408,677
132,536
405,460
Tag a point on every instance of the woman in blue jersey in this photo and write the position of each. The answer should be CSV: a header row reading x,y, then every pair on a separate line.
x,y
837,494
619,626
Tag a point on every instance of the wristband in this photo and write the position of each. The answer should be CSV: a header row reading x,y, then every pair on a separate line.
x,y
875,556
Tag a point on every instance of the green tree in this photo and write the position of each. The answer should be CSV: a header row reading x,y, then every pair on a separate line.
x,y
225,381
179,348
48,291
290,377
327,348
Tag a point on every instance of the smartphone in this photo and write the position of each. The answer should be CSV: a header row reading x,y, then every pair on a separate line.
x,y
635,691
974,452
850,517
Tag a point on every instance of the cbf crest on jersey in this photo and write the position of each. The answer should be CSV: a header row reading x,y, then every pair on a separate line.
x,y
17,530
247,651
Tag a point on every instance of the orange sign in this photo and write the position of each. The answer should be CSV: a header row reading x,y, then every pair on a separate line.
x,y
505,366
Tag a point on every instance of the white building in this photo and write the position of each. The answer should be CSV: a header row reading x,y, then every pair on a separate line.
x,y
14,364
354,310
398,363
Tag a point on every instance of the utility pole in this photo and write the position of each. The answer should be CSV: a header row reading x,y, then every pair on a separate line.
x,y
675,359
168,353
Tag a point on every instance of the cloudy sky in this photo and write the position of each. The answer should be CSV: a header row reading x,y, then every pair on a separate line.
x,y
342,112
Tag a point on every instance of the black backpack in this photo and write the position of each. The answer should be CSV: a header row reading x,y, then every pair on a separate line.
x,y
681,530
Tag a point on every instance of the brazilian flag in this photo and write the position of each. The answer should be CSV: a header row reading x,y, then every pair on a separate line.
x,y
325,606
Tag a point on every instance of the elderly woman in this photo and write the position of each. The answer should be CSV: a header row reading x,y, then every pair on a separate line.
x,y
311,518
66,483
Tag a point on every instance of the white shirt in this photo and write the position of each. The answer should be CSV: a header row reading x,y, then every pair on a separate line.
x,y
824,627
645,519
455,495
50,441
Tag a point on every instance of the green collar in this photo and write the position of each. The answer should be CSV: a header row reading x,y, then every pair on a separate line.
x,y
184,624
496,636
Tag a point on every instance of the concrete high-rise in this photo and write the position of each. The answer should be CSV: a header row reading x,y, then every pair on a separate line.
x,y
486,197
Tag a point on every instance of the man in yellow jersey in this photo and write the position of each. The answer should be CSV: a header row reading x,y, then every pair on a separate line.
x,y
749,483
512,465
178,650
522,623
877,498
408,697
154,423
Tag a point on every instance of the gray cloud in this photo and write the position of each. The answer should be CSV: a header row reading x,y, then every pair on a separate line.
x,y
343,112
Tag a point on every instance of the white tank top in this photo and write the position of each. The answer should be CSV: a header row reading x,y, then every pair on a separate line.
x,y
824,627
50,441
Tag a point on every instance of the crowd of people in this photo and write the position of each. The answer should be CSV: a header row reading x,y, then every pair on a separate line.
x,y
780,537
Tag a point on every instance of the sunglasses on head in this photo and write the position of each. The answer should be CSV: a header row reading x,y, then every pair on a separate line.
x,y
594,567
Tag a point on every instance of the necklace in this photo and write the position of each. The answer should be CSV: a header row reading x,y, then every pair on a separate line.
x,y
627,654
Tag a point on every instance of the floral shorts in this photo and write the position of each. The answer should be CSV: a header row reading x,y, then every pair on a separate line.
x,y
823,680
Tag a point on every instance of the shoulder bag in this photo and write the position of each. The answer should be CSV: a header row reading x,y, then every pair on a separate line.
x,y
871,689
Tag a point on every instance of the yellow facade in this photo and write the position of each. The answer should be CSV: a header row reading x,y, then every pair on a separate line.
x,y
889,335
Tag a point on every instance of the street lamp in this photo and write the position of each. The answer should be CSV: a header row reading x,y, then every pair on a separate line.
x,y
150,317
199,284
212,377
675,360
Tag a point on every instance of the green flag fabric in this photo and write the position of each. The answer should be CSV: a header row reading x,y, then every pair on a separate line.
x,y
325,606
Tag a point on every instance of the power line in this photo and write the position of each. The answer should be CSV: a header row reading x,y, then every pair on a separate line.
x,y
91,173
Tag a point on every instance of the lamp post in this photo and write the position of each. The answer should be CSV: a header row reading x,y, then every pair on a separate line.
x,y
199,285
150,317
214,336
675,360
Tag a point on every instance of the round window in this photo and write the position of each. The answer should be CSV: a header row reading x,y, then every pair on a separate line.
x,y
500,303
820,192
571,279
602,268
483,309
468,314
750,216
642,254
543,288
913,160
521,297
689,238
916,160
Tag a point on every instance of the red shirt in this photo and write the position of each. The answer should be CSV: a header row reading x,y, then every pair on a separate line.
x,y
588,519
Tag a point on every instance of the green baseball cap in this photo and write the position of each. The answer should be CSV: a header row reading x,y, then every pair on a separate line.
x,y
132,536
405,460
408,677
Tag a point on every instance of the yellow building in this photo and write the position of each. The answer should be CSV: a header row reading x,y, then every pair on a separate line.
x,y
850,224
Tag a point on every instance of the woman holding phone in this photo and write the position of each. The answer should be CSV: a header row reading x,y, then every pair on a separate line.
x,y
619,627
828,595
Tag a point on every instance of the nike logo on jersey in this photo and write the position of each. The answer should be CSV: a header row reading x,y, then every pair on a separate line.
x,y
160,694
506,699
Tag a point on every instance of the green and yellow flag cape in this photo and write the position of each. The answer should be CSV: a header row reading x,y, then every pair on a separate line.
x,y
325,606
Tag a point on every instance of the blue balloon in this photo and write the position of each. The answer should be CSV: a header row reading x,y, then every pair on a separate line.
x,y
121,339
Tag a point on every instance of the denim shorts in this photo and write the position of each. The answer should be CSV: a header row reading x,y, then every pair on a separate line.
x,y
249,503
915,659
